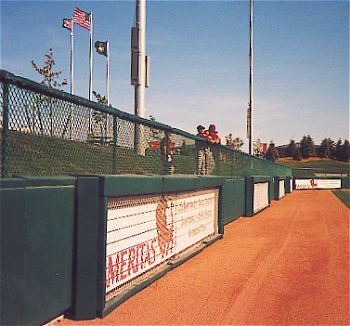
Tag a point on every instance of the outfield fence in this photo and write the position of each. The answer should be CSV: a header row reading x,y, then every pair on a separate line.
x,y
47,132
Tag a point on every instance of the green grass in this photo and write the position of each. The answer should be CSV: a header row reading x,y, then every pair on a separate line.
x,y
36,155
317,167
343,195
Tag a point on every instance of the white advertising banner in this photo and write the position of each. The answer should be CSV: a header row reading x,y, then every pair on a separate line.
x,y
261,196
144,231
317,183
281,189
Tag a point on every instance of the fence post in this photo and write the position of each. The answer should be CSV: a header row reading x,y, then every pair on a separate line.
x,y
232,162
5,131
217,158
115,140
167,165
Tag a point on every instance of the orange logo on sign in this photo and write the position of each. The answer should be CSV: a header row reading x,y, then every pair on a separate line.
x,y
313,183
165,232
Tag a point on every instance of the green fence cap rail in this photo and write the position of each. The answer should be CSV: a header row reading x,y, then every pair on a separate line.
x,y
188,182
126,185
260,178
7,183
48,181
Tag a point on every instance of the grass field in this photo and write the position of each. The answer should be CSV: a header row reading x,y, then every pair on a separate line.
x,y
35,155
316,167
343,195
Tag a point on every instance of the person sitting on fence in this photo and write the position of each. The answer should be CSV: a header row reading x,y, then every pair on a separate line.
x,y
202,151
166,152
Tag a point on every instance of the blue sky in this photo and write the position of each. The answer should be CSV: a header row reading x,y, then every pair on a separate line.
x,y
199,61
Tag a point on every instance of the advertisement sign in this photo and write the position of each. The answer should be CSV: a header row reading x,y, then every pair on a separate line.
x,y
261,196
144,231
281,189
317,183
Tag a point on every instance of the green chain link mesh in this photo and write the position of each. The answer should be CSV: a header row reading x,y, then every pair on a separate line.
x,y
50,136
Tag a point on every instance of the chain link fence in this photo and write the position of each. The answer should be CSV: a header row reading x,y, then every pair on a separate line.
x,y
46,132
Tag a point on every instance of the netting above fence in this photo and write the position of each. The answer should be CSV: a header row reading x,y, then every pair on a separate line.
x,y
46,132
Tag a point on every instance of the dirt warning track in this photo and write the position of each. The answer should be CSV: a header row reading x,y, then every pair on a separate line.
x,y
287,265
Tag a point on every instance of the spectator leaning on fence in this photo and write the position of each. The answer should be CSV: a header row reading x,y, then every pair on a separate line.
x,y
213,135
213,154
166,151
202,151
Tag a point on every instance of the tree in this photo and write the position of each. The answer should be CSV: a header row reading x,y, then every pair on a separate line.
x,y
307,147
327,148
338,150
345,151
258,148
234,143
297,155
291,149
50,77
51,80
272,153
99,118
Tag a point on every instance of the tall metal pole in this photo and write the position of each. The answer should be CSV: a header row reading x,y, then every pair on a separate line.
x,y
140,85
250,105
90,79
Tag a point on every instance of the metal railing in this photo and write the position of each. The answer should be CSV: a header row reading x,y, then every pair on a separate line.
x,y
45,132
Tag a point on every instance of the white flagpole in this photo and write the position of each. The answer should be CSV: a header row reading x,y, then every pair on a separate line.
x,y
107,87
72,59
90,79
71,73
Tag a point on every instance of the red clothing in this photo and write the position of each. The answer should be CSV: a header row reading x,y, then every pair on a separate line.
x,y
204,134
214,138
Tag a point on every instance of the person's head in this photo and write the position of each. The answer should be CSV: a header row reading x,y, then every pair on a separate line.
x,y
200,128
212,129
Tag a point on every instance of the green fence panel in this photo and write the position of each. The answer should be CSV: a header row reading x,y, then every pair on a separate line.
x,y
86,249
276,193
49,249
345,182
41,222
233,199
12,237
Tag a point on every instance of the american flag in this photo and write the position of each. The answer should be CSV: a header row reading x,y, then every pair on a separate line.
x,y
67,23
81,18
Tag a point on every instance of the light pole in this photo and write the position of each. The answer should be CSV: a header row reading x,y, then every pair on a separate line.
x,y
250,104
138,71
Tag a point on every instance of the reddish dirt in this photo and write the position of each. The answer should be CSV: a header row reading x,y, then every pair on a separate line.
x,y
287,265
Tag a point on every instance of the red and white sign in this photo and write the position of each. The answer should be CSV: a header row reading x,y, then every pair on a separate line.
x,y
317,183
144,231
